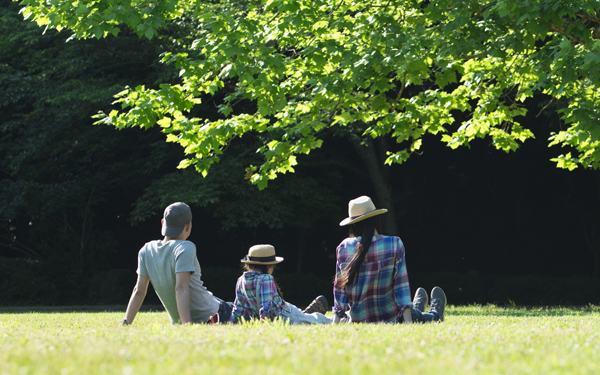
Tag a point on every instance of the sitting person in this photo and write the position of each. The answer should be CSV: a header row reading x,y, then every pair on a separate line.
x,y
371,282
257,296
171,265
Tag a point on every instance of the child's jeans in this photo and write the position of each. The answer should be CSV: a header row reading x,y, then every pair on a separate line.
x,y
294,315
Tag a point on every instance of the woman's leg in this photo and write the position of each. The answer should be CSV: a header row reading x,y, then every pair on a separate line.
x,y
436,311
424,317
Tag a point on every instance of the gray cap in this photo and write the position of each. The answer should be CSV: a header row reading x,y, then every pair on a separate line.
x,y
175,218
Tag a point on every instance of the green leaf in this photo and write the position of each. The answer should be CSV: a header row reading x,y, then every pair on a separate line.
x,y
592,58
164,122
149,33
232,50
98,32
320,25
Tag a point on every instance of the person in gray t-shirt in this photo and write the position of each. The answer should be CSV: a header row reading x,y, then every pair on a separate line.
x,y
172,267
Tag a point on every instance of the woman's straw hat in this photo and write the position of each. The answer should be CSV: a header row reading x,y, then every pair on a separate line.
x,y
262,254
361,208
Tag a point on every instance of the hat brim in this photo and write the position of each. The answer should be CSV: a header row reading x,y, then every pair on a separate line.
x,y
356,219
277,260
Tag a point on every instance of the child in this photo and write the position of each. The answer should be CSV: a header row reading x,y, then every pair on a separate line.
x,y
258,297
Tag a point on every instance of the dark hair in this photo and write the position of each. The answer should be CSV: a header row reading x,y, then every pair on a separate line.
x,y
366,229
262,268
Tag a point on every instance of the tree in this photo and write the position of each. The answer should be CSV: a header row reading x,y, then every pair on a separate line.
x,y
393,70
59,172
397,68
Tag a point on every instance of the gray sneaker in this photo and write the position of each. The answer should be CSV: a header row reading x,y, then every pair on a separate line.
x,y
438,301
421,300
319,305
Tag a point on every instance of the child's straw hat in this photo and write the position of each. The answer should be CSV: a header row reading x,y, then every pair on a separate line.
x,y
262,254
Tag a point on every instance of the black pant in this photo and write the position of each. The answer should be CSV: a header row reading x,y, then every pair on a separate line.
x,y
224,310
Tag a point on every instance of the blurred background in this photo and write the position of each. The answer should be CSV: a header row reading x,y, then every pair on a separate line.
x,y
78,201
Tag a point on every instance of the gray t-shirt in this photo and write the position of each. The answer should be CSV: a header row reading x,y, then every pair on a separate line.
x,y
160,262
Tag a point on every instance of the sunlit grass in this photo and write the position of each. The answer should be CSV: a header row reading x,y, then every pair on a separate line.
x,y
472,340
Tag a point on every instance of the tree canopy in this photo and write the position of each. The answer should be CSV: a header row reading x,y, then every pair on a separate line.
x,y
58,173
401,68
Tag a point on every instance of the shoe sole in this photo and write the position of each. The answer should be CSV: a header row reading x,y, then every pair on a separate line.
x,y
323,301
440,291
424,292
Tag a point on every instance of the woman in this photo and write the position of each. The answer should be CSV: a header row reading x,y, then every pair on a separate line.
x,y
371,283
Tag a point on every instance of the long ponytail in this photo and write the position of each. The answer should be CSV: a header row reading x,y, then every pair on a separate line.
x,y
366,228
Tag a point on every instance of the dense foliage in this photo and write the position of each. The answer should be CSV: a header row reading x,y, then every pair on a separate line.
x,y
59,171
70,191
282,78
399,68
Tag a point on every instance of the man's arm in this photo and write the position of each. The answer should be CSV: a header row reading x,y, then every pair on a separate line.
x,y
182,295
137,297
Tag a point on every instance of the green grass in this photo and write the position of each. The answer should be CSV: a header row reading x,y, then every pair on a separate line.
x,y
472,340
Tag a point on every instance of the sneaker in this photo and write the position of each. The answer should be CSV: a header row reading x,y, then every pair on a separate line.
x,y
438,301
421,300
319,305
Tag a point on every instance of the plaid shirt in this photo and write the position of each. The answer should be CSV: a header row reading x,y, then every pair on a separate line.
x,y
256,297
381,291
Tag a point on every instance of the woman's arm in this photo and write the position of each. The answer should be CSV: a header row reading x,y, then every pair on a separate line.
x,y
401,284
340,298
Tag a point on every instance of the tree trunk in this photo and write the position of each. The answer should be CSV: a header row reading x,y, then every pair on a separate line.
x,y
301,249
380,178
597,263
596,244
590,222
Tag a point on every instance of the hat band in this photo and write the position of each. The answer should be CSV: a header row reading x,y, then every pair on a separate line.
x,y
261,259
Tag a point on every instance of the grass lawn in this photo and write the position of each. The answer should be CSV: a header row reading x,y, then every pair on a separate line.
x,y
472,340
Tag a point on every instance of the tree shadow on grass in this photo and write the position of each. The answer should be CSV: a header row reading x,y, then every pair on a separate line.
x,y
471,310
523,311
73,309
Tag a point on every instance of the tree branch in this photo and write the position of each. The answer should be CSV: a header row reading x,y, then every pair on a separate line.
x,y
542,110
33,255
22,248
561,30
470,57
399,93
337,163
587,17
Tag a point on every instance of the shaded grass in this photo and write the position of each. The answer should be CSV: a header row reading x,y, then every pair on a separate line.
x,y
472,340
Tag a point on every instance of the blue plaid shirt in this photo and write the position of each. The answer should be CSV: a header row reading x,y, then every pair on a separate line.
x,y
381,291
256,297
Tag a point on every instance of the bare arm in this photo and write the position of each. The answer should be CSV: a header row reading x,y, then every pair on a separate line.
x,y
137,297
407,315
182,295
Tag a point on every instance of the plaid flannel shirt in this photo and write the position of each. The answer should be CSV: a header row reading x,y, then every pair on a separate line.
x,y
381,291
256,297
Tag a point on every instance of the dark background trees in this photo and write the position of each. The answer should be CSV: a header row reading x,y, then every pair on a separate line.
x,y
77,200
